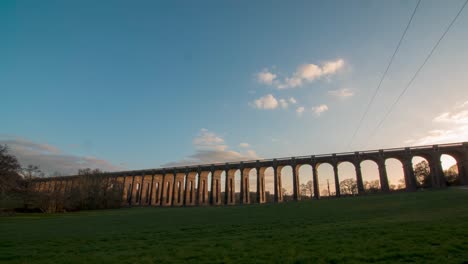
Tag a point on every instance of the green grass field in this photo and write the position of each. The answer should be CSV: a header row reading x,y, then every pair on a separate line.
x,y
422,227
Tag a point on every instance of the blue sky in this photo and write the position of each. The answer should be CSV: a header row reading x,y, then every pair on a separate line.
x,y
131,85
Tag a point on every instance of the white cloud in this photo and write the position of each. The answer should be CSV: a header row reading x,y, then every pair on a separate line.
x,y
244,145
283,103
292,100
331,67
309,72
454,118
51,160
207,139
213,150
318,110
266,77
266,102
289,83
300,110
451,126
251,154
439,136
303,74
341,93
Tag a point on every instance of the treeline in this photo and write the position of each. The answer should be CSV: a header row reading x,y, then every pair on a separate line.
x,y
19,189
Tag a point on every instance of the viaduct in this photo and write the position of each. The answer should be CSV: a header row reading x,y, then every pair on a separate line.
x,y
176,186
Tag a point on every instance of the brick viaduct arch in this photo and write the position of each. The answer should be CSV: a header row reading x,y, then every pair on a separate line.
x,y
177,186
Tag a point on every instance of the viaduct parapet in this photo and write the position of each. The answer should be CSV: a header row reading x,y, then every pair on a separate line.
x,y
177,186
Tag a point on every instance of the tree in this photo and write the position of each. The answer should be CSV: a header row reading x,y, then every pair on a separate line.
x,y
10,180
422,174
451,175
348,186
92,189
372,186
324,192
307,189
401,184
32,171
284,191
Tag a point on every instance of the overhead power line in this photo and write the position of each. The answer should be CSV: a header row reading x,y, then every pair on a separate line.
x,y
416,74
383,77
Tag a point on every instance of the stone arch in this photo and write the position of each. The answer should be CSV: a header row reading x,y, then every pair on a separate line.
x,y
450,169
167,191
145,190
204,187
157,189
267,183
422,170
237,187
305,180
190,188
137,188
127,190
395,172
253,183
326,179
347,178
179,189
287,182
370,175
216,195
244,182
263,194
230,186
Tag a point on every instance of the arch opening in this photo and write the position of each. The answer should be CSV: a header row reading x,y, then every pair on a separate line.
x,y
147,194
237,187
422,172
306,184
326,180
395,174
223,188
253,185
157,194
347,178
370,176
268,181
287,187
179,192
450,169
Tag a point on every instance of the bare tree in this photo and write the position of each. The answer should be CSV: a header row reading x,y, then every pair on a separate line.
x,y
372,186
348,186
32,171
10,180
307,189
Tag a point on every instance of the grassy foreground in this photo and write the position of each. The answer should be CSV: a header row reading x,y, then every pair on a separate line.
x,y
423,227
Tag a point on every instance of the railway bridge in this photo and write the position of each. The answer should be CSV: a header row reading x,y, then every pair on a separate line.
x,y
188,185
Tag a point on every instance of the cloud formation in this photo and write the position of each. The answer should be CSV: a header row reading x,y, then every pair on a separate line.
x,y
451,126
283,103
341,93
51,160
266,77
209,140
269,102
266,102
244,145
305,73
300,110
211,148
320,109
